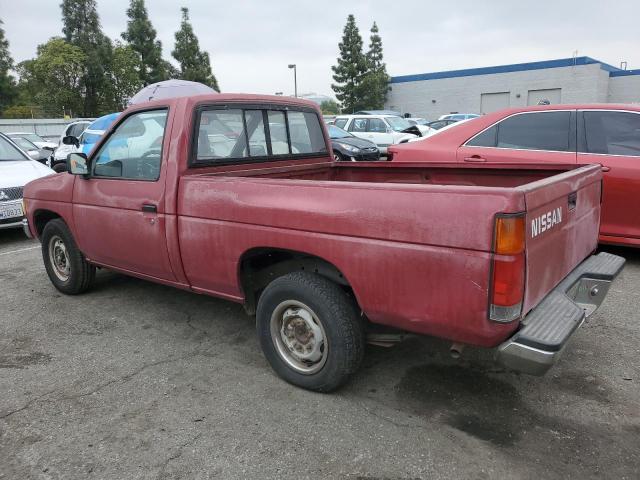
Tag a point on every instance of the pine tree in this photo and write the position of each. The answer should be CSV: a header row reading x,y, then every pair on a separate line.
x,y
194,64
141,37
81,27
376,81
350,69
7,84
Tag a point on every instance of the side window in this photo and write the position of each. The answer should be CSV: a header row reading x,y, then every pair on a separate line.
x,y
377,126
255,128
134,150
358,125
484,139
341,122
278,133
77,129
612,133
306,133
536,131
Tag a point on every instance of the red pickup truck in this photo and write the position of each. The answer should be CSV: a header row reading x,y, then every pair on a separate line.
x,y
237,196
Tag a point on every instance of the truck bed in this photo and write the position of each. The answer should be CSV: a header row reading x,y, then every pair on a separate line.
x,y
437,221
387,172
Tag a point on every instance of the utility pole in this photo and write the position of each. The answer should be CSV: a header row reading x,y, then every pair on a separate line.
x,y
295,79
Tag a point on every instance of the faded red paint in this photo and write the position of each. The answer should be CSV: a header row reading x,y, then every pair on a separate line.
x,y
414,242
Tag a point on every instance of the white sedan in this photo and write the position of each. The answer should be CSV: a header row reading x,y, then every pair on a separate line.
x,y
16,170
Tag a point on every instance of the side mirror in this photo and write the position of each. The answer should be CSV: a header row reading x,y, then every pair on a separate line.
x,y
389,130
77,163
71,140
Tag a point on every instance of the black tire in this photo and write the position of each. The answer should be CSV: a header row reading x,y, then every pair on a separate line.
x,y
337,156
57,240
339,321
60,167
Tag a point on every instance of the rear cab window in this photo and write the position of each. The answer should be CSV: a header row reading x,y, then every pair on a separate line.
x,y
248,133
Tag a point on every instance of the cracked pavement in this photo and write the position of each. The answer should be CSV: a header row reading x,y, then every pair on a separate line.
x,y
135,380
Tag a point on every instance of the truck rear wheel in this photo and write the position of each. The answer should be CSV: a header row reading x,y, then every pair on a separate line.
x,y
310,331
65,264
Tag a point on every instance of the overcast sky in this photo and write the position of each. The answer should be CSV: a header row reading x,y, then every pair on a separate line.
x,y
251,42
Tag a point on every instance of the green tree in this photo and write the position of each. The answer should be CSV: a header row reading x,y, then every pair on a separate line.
x,y
125,77
350,69
195,65
81,27
376,81
141,37
330,107
53,78
7,83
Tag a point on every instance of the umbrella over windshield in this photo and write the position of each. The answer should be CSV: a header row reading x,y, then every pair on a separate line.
x,y
170,89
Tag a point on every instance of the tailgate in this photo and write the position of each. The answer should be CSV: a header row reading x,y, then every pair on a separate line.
x,y
562,219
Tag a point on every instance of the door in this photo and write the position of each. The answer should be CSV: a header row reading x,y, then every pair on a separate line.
x,y
491,102
530,137
612,138
118,211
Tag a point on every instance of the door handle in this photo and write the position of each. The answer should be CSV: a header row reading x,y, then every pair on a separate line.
x,y
605,169
149,208
475,158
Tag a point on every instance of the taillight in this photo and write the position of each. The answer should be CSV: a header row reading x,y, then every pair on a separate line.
x,y
507,269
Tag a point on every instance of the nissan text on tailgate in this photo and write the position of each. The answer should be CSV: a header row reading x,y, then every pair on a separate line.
x,y
237,196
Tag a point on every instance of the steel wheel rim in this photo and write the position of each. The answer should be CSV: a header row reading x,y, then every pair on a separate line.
x,y
59,258
299,337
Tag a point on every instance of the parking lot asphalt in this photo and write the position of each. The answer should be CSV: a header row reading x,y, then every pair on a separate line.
x,y
137,380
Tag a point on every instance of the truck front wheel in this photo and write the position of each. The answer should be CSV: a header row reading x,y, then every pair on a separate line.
x,y
310,331
65,264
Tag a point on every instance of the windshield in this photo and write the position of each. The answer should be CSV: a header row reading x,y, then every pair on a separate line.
x,y
24,143
89,137
336,132
398,123
9,152
32,137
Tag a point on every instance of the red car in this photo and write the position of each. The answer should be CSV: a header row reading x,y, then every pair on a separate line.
x,y
603,133
238,196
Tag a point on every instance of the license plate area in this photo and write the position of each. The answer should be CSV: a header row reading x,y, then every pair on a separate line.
x,y
10,210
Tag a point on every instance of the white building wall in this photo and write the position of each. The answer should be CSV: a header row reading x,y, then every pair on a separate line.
x,y
624,89
578,84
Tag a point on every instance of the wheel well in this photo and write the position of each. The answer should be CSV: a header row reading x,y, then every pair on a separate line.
x,y
258,267
41,218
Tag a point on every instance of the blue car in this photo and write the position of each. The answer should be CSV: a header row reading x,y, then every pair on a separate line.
x,y
95,130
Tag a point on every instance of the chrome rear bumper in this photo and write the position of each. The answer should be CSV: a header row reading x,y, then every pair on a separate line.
x,y
546,329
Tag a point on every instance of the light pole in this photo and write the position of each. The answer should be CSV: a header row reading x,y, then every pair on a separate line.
x,y
295,79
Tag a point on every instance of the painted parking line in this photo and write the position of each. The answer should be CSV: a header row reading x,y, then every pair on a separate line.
x,y
19,250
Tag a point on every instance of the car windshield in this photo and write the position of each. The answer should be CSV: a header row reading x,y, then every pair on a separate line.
x,y
398,123
90,137
336,132
24,143
32,137
9,152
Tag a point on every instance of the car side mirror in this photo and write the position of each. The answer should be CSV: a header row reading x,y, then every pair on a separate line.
x,y
77,164
71,140
389,130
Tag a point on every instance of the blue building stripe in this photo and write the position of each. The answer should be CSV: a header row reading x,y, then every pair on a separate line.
x,y
516,67
624,73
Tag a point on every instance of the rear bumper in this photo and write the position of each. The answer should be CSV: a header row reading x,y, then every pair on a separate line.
x,y
546,329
